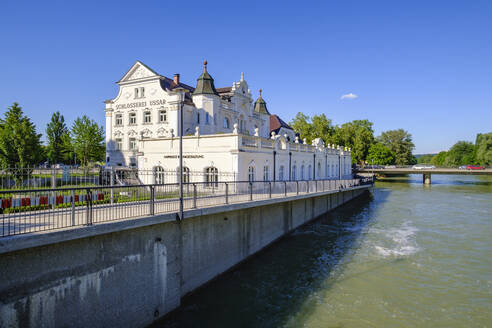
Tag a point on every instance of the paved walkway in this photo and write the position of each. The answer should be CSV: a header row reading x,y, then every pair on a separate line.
x,y
50,219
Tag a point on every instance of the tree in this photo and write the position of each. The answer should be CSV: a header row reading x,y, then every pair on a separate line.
x,y
20,145
58,139
379,154
358,135
87,140
462,153
317,127
483,147
439,159
399,142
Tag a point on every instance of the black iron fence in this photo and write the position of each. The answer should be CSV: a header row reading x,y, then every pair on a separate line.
x,y
26,211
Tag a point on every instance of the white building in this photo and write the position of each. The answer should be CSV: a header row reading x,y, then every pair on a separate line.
x,y
224,131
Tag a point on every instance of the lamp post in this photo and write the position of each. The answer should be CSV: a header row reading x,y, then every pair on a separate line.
x,y
181,92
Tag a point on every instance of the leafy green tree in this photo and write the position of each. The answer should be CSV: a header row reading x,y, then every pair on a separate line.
x,y
462,153
357,135
439,159
379,154
399,142
483,147
87,140
317,127
58,149
20,145
425,158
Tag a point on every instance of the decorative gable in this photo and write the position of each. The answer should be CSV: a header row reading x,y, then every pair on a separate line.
x,y
138,71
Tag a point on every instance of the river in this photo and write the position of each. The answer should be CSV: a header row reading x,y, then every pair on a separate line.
x,y
408,255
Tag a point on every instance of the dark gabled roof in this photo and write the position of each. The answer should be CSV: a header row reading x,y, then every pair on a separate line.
x,y
169,84
224,90
276,123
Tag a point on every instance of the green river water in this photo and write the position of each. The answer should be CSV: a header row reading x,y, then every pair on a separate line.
x,y
408,255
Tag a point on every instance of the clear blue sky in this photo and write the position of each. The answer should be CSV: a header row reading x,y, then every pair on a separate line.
x,y
424,66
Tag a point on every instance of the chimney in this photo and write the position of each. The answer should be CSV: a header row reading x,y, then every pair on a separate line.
x,y
176,78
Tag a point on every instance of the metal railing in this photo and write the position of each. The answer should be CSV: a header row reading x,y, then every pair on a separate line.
x,y
26,211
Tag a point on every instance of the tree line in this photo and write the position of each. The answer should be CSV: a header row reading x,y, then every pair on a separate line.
x,y
21,145
464,153
391,147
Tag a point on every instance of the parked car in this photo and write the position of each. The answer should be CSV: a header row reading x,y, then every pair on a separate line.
x,y
374,167
475,167
390,167
463,167
423,167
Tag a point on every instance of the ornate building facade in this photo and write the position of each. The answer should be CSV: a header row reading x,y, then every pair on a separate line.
x,y
224,130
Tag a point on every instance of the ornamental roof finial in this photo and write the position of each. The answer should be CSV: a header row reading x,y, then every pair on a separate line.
x,y
205,65
260,92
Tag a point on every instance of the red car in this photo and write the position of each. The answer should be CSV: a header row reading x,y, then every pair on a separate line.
x,y
475,167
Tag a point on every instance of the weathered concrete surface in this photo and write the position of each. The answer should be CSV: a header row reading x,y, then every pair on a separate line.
x,y
132,272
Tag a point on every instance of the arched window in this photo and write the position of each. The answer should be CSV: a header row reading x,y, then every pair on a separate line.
x,y
186,174
310,172
318,174
207,118
302,172
211,176
159,175
266,175
225,123
294,172
251,173
281,173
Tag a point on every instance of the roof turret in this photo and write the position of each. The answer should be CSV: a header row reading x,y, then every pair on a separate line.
x,y
205,83
260,105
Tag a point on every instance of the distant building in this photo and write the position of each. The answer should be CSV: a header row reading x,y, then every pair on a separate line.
x,y
224,131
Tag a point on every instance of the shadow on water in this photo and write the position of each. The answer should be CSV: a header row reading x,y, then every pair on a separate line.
x,y
268,289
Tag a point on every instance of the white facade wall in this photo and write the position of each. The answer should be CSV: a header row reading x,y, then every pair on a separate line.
x,y
236,156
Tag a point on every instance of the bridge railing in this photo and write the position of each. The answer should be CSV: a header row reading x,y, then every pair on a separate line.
x,y
28,211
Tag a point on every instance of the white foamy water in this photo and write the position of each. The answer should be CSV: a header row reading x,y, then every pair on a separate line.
x,y
398,241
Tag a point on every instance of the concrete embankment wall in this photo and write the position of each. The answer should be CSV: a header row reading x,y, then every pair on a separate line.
x,y
129,273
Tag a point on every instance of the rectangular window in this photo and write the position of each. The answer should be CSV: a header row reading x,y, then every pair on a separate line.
x,y
162,115
133,144
119,119
132,118
142,92
198,118
147,117
119,144
136,93
207,118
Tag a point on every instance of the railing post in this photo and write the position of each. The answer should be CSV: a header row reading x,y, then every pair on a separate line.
x,y
72,194
315,185
269,189
297,187
226,193
111,183
250,191
194,195
152,197
88,200
285,188
307,187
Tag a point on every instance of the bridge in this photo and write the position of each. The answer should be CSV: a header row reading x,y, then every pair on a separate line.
x,y
426,173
